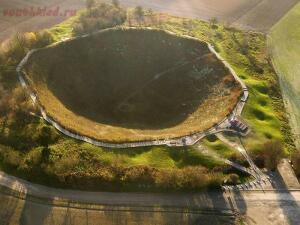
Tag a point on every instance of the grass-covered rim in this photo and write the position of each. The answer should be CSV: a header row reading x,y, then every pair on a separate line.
x,y
132,84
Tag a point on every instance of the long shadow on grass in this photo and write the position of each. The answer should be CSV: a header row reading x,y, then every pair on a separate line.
x,y
182,156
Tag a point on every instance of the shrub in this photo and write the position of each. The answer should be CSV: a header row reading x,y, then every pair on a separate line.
x,y
31,161
139,174
64,165
10,157
213,22
46,136
195,178
167,179
215,180
258,160
17,48
139,14
4,103
99,17
233,179
43,38
212,138
189,178
21,43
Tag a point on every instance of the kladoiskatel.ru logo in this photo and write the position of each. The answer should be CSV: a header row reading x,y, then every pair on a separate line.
x,y
39,11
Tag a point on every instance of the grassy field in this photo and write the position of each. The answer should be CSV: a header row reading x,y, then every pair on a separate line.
x,y
33,150
133,85
284,44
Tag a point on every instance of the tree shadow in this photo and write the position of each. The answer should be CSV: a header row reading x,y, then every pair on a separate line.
x,y
204,208
287,201
9,205
35,213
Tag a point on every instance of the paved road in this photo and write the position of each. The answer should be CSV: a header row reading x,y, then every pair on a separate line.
x,y
32,204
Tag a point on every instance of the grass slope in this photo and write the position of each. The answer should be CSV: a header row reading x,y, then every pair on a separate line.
x,y
122,83
284,43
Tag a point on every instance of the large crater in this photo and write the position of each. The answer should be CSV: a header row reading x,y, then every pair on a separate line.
x,y
132,84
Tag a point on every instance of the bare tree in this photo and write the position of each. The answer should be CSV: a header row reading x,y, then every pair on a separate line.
x,y
139,14
213,22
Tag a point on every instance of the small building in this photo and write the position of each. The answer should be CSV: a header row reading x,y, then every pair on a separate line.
x,y
239,124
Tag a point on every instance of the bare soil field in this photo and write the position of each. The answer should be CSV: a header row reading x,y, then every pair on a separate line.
x,y
265,14
247,14
228,10
117,86
12,24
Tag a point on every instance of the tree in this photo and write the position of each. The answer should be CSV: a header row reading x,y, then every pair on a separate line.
x,y
213,22
233,179
139,13
17,47
100,17
152,16
273,153
116,3
90,4
45,136
43,38
296,162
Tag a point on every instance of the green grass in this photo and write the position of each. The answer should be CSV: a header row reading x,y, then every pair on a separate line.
x,y
69,159
220,148
63,30
158,157
284,44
